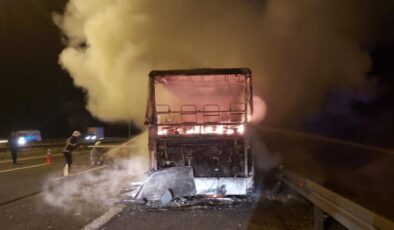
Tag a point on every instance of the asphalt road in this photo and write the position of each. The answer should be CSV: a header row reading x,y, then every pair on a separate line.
x,y
291,213
21,204
362,175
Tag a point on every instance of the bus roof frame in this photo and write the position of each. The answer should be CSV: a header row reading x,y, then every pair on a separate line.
x,y
204,71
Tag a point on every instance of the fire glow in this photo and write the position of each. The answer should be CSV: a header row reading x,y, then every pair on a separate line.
x,y
203,130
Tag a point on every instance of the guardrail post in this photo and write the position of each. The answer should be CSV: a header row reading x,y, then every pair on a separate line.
x,y
318,218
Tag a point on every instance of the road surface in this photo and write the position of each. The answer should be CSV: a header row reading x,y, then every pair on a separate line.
x,y
362,175
293,213
22,205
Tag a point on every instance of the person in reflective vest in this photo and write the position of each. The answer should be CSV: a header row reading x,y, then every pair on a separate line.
x,y
71,144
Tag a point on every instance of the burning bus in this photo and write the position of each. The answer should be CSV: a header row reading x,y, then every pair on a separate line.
x,y
197,119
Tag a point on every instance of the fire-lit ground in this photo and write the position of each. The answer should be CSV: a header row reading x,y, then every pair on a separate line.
x,y
293,213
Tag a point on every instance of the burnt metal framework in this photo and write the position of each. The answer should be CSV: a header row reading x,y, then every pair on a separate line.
x,y
155,110
207,137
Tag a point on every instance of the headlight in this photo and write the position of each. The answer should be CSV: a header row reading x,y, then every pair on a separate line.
x,y
21,141
87,138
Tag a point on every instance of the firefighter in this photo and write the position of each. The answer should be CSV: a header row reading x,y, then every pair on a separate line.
x,y
13,145
96,157
71,144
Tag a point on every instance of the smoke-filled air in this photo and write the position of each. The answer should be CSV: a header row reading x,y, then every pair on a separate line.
x,y
296,49
100,190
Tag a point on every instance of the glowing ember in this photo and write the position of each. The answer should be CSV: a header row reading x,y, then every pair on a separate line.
x,y
214,196
208,130
219,130
194,130
241,129
230,131
162,132
201,129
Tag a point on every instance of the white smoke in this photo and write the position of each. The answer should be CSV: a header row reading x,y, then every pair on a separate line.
x,y
100,190
296,49
92,190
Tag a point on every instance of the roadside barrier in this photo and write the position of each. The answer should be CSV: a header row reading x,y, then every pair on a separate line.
x,y
346,212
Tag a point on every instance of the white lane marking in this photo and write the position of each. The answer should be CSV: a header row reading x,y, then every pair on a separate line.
x,y
103,219
16,169
80,173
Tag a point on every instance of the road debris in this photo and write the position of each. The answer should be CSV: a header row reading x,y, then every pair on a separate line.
x,y
178,181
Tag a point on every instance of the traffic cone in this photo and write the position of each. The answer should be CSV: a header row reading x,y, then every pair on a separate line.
x,y
49,159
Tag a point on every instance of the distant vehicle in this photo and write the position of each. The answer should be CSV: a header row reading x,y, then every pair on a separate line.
x,y
3,141
27,136
93,134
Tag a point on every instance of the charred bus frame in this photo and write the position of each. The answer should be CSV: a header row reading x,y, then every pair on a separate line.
x,y
198,118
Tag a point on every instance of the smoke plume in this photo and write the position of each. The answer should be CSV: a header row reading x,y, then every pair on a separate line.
x,y
101,189
296,49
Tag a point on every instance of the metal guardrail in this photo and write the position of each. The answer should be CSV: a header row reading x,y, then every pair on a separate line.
x,y
346,212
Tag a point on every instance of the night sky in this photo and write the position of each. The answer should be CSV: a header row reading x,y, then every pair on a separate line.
x,y
37,94
366,117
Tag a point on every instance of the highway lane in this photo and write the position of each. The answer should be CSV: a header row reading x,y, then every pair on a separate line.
x,y
23,207
266,214
363,175
25,180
